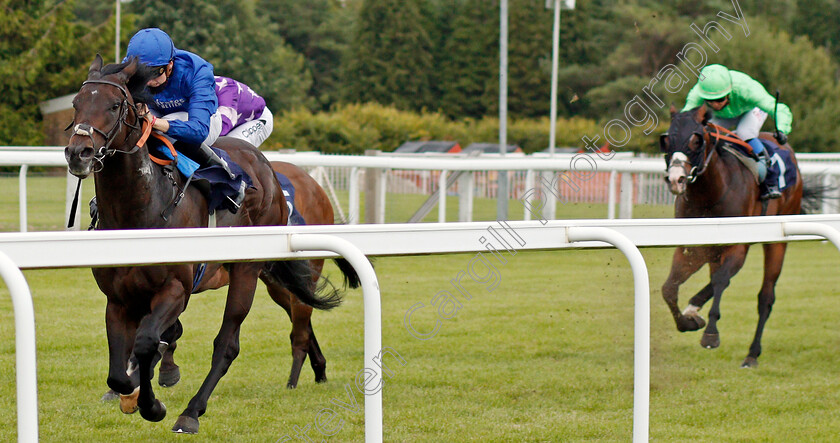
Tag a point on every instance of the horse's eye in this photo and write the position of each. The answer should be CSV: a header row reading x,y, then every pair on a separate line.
x,y
115,106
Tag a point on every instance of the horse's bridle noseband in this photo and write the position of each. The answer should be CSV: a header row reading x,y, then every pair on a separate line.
x,y
696,171
86,130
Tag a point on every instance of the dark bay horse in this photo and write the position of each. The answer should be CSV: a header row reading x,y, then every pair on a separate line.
x,y
314,205
144,302
711,182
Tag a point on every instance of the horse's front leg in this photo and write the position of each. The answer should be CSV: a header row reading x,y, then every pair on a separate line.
x,y
730,263
685,263
166,306
121,330
243,283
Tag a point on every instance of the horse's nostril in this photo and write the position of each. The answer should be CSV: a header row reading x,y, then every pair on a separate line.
x,y
681,180
86,153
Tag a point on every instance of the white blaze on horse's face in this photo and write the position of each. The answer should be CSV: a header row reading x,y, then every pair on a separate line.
x,y
677,178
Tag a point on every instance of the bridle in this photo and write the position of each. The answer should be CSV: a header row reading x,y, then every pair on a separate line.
x,y
696,171
86,130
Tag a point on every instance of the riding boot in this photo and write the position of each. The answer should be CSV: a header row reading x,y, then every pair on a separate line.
x,y
205,157
770,186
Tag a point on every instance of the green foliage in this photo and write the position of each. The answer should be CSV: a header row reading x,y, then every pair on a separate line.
x,y
390,60
352,129
469,64
320,31
238,42
44,53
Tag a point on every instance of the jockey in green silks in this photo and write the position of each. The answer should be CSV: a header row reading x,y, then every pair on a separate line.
x,y
740,101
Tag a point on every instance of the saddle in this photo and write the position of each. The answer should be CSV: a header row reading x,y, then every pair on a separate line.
x,y
781,169
213,181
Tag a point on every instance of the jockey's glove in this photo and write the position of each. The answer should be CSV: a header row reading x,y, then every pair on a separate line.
x,y
781,137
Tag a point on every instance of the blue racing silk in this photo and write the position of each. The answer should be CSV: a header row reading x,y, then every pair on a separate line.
x,y
191,89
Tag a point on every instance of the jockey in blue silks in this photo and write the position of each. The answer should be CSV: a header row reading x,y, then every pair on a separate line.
x,y
184,98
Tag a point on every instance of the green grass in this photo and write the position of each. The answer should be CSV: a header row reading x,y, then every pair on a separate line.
x,y
546,356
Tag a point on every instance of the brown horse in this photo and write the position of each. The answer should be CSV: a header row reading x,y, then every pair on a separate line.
x,y
712,182
144,302
314,206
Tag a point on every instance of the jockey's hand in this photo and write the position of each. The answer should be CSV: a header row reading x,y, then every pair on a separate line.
x,y
781,137
143,111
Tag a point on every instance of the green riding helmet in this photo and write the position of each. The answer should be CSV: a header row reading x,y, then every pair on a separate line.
x,y
716,83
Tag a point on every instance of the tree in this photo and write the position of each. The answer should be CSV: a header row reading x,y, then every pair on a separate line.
x,y
320,31
469,62
44,54
230,35
390,59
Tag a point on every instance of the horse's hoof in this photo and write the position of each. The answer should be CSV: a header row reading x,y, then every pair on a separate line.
x,y
186,425
291,385
170,377
156,413
710,341
749,363
128,403
109,396
690,323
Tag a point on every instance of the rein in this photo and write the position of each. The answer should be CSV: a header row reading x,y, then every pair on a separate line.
x,y
86,130
730,137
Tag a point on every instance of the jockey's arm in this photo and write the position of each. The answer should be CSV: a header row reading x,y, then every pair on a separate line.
x,y
693,100
202,104
767,103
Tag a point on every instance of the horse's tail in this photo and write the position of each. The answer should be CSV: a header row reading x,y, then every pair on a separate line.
x,y
814,193
351,278
296,276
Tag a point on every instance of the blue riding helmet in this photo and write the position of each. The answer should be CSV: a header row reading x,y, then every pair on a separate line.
x,y
152,46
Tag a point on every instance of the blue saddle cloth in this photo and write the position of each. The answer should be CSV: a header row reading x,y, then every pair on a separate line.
x,y
295,219
221,186
782,167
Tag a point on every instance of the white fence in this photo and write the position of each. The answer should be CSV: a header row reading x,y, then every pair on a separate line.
x,y
61,249
620,182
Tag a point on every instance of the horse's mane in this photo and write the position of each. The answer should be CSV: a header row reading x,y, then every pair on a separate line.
x,y
136,83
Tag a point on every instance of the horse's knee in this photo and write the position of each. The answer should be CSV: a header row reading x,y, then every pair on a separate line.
x,y
231,348
146,346
669,292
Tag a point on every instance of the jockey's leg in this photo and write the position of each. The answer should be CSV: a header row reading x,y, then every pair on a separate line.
x,y
748,128
204,156
255,131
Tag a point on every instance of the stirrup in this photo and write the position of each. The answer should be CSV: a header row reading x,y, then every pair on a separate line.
x,y
236,202
770,192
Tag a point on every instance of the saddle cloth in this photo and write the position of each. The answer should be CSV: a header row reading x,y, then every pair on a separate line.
x,y
295,218
220,184
782,169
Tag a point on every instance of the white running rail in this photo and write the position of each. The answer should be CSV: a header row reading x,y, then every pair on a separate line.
x,y
63,249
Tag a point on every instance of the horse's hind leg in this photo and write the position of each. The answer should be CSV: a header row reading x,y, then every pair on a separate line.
x,y
316,358
169,373
774,255
731,262
685,263
301,336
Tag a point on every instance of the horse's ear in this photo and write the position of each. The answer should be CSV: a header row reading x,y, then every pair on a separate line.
x,y
130,69
673,110
95,67
702,116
